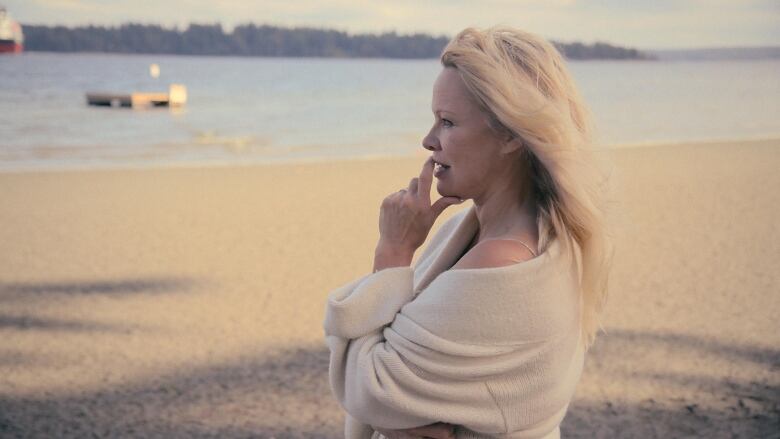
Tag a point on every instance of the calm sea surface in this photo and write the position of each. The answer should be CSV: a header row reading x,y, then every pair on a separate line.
x,y
243,110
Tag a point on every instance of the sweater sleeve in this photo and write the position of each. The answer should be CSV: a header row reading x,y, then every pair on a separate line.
x,y
385,379
369,303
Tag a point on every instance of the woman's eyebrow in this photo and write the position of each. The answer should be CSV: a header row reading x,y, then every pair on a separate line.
x,y
437,112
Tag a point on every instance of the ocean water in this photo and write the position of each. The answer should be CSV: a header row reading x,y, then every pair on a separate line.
x,y
247,110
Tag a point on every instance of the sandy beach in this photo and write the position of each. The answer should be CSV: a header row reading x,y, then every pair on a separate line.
x,y
188,302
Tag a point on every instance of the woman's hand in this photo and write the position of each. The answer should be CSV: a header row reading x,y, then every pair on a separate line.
x,y
405,219
438,430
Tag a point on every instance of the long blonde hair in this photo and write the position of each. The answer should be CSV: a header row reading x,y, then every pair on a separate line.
x,y
523,85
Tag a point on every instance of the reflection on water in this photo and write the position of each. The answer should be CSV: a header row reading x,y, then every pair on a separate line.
x,y
279,109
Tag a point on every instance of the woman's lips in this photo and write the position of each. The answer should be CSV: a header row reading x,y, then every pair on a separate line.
x,y
439,169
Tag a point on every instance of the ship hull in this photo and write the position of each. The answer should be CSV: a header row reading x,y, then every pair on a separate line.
x,y
11,47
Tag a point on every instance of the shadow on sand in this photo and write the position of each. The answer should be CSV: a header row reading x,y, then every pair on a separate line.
x,y
285,394
150,285
62,291
733,408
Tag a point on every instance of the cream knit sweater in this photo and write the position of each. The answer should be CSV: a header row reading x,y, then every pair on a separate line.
x,y
495,351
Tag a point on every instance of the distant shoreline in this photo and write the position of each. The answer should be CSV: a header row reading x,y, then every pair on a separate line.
x,y
716,53
269,41
315,160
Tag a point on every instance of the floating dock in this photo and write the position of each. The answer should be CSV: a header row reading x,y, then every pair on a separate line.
x,y
176,97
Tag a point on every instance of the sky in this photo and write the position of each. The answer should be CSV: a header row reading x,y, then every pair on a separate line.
x,y
643,24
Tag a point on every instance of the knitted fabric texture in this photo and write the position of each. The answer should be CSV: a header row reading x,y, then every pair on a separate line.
x,y
495,351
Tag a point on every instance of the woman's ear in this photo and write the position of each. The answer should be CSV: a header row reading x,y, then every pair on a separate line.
x,y
512,144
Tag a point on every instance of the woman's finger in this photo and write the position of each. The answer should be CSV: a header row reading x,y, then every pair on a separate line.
x,y
443,203
413,186
426,179
439,430
393,434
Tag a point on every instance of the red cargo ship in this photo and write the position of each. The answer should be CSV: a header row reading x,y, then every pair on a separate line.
x,y
11,37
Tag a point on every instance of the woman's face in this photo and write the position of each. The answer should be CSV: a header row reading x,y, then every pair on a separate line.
x,y
462,140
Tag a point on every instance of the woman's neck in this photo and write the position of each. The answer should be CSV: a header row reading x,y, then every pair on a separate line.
x,y
508,212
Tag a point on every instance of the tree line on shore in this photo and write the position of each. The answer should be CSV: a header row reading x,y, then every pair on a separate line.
x,y
265,40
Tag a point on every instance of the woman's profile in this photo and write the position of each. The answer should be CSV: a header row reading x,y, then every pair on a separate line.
x,y
485,336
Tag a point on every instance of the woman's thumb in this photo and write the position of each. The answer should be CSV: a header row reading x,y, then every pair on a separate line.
x,y
443,203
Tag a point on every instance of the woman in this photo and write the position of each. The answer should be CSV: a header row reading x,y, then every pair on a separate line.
x,y
485,336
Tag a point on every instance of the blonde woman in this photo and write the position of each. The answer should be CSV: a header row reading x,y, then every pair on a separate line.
x,y
486,335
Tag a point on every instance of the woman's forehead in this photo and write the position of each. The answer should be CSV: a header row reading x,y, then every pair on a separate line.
x,y
450,93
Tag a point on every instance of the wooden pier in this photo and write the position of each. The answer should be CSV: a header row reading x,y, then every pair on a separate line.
x,y
176,97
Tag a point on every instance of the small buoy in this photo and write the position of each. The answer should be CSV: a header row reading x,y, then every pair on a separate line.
x,y
154,70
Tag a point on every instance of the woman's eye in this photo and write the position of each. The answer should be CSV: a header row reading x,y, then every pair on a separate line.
x,y
446,123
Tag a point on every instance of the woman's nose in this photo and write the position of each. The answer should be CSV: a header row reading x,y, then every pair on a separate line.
x,y
430,142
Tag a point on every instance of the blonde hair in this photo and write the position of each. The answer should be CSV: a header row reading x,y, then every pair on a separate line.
x,y
523,85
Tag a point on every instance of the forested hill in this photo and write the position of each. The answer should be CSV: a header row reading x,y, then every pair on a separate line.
x,y
253,40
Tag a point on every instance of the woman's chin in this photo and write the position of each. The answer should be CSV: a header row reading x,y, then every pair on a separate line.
x,y
442,189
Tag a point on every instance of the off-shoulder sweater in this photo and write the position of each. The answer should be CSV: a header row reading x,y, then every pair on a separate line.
x,y
496,351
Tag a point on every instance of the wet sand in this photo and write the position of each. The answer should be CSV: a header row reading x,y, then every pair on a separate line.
x,y
188,302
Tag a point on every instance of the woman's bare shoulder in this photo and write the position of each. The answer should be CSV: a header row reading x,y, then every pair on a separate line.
x,y
493,253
